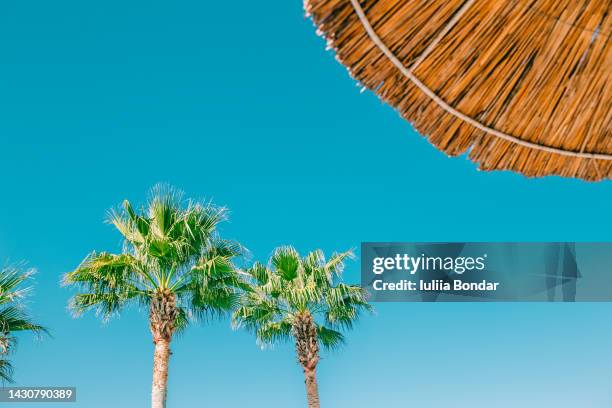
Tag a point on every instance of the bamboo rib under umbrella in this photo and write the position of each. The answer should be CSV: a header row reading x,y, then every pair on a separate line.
x,y
520,85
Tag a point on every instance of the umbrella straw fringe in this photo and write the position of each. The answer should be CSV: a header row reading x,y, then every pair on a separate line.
x,y
526,74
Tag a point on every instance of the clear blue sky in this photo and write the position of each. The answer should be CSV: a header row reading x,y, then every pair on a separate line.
x,y
239,102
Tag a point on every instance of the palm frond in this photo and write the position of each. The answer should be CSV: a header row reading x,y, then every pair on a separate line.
x,y
11,278
15,319
108,282
132,226
258,273
344,304
257,310
274,332
286,262
213,283
163,209
335,265
6,371
13,316
182,321
330,339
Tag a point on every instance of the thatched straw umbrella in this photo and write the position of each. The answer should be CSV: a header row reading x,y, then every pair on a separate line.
x,y
522,85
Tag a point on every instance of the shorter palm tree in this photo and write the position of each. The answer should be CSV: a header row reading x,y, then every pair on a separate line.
x,y
301,298
13,317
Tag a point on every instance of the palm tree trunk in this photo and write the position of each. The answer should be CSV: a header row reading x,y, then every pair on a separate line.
x,y
312,389
307,349
161,358
162,318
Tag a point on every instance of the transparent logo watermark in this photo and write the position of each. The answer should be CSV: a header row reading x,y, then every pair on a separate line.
x,y
481,271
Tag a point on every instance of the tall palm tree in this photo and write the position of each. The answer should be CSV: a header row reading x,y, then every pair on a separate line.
x,y
13,317
301,298
173,262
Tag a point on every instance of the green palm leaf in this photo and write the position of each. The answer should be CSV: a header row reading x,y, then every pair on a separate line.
x,y
13,317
